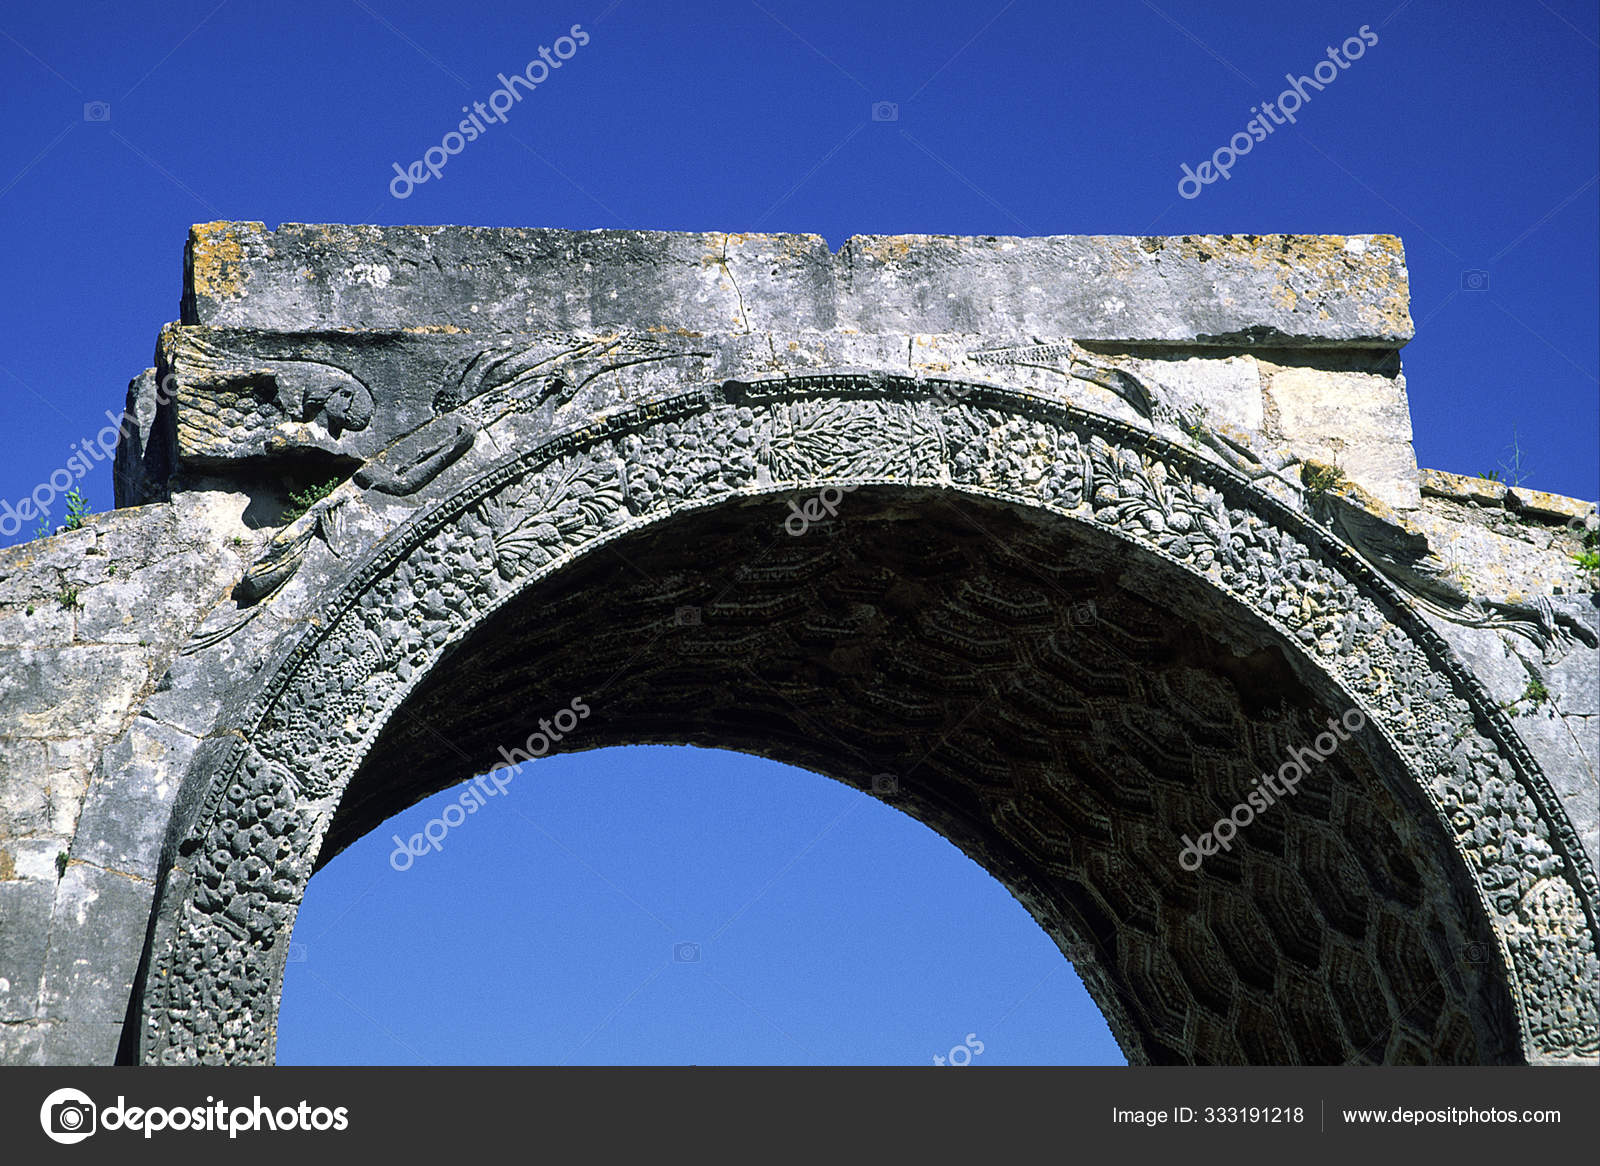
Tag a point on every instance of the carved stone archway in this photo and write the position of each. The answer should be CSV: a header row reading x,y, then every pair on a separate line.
x,y
1067,547
1500,870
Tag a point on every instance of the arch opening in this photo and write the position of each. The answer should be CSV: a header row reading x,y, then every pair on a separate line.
x,y
1061,706
673,905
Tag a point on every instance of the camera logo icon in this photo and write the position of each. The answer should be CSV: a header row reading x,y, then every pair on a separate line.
x,y
68,1116
885,785
96,111
961,1055
1476,953
885,111
1474,279
686,617
686,953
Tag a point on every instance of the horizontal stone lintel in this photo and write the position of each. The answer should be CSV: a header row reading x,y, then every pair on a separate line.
x,y
1492,493
1237,291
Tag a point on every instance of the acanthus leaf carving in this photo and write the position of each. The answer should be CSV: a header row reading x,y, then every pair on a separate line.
x,y
534,526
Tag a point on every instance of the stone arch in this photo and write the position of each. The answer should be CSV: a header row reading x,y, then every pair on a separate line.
x,y
1508,874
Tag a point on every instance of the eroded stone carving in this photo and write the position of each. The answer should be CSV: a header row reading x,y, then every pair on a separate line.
x,y
268,404
271,570
419,457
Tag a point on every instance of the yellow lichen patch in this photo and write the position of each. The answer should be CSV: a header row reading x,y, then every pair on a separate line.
x,y
431,328
887,248
802,246
1368,269
216,258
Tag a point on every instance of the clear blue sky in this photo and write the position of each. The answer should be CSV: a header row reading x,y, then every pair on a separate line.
x,y
545,930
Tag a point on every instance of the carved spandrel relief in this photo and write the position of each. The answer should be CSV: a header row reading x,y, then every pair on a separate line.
x,y
497,382
232,403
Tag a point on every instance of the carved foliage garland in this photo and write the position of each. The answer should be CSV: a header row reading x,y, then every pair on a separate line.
x,y
212,992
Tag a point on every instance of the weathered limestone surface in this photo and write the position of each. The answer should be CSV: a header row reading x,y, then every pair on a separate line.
x,y
1203,443
89,622
1515,551
1262,291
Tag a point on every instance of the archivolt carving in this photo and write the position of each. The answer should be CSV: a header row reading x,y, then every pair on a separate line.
x,y
227,908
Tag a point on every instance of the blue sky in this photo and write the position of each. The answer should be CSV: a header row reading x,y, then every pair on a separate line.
x,y
545,931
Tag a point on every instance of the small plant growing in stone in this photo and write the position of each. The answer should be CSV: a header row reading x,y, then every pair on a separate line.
x,y
303,500
1536,693
1588,563
77,510
238,540
1516,465
1491,476
69,597
30,609
61,864
1319,478
1193,424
